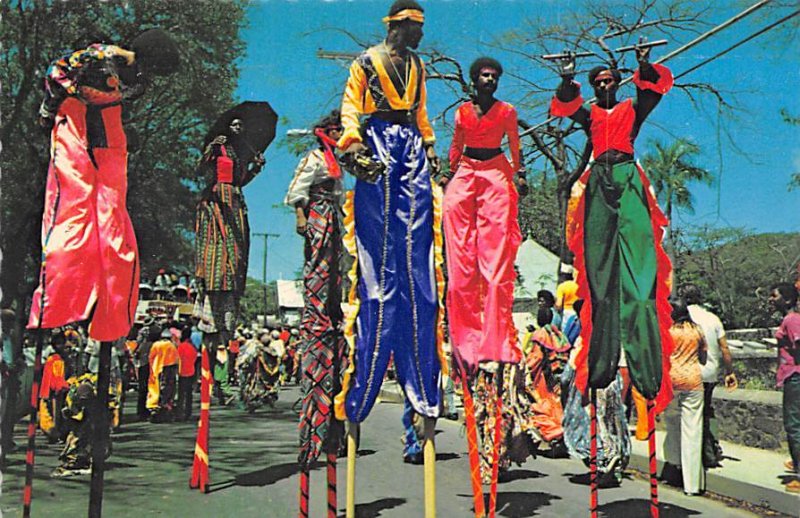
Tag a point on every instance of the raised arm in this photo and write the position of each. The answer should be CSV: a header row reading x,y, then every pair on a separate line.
x,y
568,102
61,79
652,82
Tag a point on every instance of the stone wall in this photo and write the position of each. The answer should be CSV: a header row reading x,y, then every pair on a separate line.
x,y
750,417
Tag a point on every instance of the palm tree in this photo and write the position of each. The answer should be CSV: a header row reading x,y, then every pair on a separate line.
x,y
671,170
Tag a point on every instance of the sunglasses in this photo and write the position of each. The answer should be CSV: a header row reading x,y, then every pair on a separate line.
x,y
604,81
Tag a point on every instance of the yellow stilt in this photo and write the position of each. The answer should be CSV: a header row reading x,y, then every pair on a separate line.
x,y
352,446
429,454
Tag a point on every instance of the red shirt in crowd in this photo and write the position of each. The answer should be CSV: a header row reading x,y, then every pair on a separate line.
x,y
188,355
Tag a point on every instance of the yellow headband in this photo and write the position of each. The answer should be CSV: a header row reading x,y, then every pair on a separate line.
x,y
414,15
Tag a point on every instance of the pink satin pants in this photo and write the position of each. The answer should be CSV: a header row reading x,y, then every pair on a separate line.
x,y
482,237
90,261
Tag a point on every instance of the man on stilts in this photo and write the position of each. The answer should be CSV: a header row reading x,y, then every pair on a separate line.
x,y
90,267
392,223
615,230
316,194
482,237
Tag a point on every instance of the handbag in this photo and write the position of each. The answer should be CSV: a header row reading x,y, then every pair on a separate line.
x,y
224,167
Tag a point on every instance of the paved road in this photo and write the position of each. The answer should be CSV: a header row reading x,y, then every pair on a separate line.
x,y
254,474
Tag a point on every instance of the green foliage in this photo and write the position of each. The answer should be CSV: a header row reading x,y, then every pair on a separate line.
x,y
252,303
165,127
735,269
792,120
671,170
538,214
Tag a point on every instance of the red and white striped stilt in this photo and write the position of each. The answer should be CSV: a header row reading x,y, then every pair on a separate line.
x,y
304,490
30,455
651,447
200,478
593,454
472,446
331,469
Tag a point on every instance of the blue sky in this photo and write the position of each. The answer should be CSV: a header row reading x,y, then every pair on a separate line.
x,y
281,67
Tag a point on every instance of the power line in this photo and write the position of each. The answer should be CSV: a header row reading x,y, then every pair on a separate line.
x,y
751,37
679,50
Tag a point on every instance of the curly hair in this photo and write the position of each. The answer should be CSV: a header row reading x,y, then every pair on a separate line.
x,y
333,118
401,5
600,68
484,62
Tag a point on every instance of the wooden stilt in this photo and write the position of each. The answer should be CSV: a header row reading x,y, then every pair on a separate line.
x,y
350,495
429,455
593,454
472,446
332,484
200,478
498,437
651,446
304,480
100,431
30,455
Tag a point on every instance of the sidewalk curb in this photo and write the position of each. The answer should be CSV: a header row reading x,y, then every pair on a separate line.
x,y
766,497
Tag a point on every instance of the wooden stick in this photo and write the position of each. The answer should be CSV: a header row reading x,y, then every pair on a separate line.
x,y
429,454
304,479
100,432
350,495
498,437
332,483
200,478
30,455
651,446
593,454
472,446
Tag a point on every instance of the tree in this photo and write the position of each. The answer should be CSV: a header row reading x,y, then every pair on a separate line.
x,y
165,127
735,268
671,170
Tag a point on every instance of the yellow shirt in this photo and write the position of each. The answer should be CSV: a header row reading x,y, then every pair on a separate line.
x,y
358,99
566,295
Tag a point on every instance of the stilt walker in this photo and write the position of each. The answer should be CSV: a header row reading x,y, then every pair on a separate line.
x,y
90,266
316,193
232,157
615,229
394,216
482,237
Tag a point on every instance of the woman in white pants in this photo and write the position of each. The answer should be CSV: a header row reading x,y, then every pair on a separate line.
x,y
683,445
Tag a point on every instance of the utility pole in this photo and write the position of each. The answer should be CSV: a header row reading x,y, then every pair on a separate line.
x,y
266,236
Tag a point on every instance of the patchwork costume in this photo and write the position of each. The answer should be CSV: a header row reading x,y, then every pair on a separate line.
x,y
317,187
392,230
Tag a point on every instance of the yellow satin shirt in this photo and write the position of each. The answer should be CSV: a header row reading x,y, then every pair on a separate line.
x,y
358,99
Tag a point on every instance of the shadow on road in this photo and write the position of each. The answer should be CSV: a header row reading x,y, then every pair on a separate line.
x,y
373,509
519,474
440,457
641,507
519,504
267,476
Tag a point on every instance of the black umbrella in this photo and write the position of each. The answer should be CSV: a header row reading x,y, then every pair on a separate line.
x,y
259,120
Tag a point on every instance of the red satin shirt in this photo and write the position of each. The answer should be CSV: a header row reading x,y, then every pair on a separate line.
x,y
613,129
485,132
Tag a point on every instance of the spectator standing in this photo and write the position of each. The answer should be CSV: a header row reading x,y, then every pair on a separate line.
x,y
187,355
717,351
684,415
783,298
